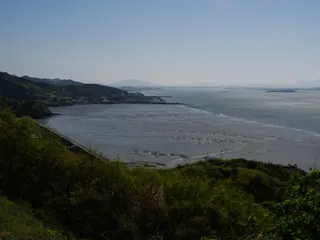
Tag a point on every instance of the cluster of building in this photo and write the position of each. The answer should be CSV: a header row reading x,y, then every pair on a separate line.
x,y
83,100
133,97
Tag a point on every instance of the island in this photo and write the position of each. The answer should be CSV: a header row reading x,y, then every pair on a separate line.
x,y
281,90
135,88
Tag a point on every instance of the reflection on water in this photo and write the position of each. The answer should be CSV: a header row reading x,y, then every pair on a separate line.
x,y
174,134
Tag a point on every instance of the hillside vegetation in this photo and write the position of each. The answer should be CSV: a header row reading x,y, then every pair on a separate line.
x,y
32,108
21,89
24,89
18,222
31,96
56,81
96,199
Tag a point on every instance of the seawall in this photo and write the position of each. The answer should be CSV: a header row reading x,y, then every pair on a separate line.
x,y
77,148
71,145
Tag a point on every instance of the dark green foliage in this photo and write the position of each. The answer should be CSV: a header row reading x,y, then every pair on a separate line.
x,y
298,215
265,181
14,87
56,81
23,89
92,90
17,223
29,98
96,199
273,170
34,109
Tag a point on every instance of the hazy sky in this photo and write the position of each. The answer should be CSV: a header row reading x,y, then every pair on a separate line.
x,y
163,41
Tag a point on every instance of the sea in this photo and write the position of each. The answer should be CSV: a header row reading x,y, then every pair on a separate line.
x,y
277,127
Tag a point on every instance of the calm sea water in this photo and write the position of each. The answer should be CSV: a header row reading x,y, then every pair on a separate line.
x,y
276,127
294,110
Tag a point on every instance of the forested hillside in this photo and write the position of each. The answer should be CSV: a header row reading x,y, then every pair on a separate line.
x,y
18,222
20,108
23,88
56,81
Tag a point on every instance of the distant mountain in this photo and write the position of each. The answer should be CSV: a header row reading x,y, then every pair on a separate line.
x,y
18,88
55,81
24,88
132,83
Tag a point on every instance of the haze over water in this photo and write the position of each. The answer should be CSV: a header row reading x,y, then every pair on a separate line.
x,y
277,127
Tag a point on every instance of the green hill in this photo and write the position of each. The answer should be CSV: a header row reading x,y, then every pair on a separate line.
x,y
56,81
91,90
23,89
32,108
18,88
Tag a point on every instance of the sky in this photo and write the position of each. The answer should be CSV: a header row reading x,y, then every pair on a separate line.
x,y
215,42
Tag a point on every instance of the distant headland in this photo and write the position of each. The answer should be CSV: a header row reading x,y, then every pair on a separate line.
x,y
281,90
41,92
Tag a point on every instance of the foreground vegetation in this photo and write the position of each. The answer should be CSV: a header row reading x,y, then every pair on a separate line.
x,y
95,199
18,222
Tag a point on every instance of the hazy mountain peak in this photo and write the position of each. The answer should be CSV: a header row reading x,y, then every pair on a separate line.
x,y
133,83
55,81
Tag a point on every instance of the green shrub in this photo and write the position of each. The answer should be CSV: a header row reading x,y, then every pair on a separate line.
x,y
17,222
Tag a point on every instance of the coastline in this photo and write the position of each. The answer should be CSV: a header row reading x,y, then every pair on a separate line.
x,y
169,135
72,146
119,102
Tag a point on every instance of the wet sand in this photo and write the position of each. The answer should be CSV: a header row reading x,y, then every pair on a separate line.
x,y
172,135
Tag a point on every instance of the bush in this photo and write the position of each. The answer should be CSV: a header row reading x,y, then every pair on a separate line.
x,y
17,222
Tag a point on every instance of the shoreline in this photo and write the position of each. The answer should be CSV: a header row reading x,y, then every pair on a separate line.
x,y
167,136
77,148
73,146
53,114
118,103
